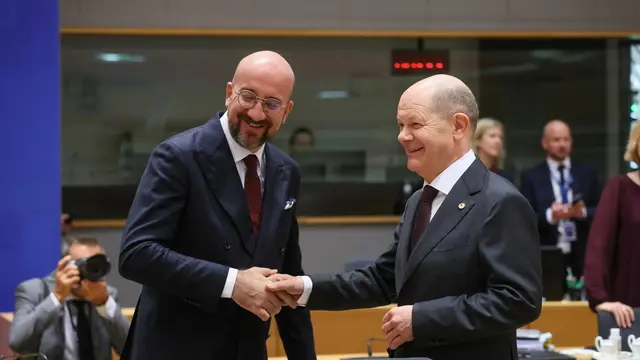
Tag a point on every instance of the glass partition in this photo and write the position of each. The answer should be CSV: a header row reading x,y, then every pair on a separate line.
x,y
123,95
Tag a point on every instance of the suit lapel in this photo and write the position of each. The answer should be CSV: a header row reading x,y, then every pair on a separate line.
x,y
274,198
576,185
448,216
58,323
547,196
404,239
217,165
98,335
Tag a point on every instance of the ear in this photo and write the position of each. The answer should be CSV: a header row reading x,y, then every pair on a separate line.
x,y
461,124
228,94
287,111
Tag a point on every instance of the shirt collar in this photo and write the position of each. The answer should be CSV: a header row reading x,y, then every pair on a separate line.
x,y
553,164
238,151
445,181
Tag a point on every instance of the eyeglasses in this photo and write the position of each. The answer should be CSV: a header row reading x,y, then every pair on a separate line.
x,y
247,99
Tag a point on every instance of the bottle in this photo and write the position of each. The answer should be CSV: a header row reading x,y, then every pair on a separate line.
x,y
614,336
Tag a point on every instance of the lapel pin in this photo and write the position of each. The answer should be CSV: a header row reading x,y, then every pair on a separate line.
x,y
461,206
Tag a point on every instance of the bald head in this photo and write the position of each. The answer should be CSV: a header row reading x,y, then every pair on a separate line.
x,y
555,126
445,95
258,98
437,118
265,63
556,140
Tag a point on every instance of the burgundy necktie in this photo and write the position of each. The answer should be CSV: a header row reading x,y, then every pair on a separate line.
x,y
423,214
253,192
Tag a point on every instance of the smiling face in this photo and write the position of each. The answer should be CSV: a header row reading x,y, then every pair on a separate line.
x,y
258,99
427,139
433,132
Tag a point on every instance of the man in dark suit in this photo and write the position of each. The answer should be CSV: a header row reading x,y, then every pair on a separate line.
x,y
552,187
464,267
214,212
65,317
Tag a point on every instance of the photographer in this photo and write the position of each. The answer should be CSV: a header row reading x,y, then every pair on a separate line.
x,y
72,314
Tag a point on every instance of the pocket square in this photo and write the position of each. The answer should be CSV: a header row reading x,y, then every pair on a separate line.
x,y
289,204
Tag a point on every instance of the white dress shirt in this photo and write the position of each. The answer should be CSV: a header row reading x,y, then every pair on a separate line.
x,y
563,243
239,153
108,311
443,183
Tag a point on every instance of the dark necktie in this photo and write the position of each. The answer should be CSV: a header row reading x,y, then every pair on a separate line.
x,y
563,185
83,330
423,214
253,192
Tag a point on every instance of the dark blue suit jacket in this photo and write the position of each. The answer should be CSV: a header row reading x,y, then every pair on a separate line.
x,y
536,186
188,223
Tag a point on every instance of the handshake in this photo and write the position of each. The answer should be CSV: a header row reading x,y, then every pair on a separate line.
x,y
263,291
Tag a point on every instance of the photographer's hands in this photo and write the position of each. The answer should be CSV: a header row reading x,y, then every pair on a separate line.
x,y
67,275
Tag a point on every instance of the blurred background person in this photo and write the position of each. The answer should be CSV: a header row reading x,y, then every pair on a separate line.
x,y
612,269
66,317
488,144
301,140
66,223
564,193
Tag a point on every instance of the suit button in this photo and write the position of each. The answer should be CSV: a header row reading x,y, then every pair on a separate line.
x,y
227,246
282,252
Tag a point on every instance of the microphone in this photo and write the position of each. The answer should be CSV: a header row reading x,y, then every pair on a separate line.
x,y
369,345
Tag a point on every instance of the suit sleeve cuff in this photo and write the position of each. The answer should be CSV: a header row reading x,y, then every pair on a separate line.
x,y
108,310
308,286
550,218
53,298
229,284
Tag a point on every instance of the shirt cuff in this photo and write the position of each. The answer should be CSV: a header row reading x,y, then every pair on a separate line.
x,y
108,310
54,299
584,212
308,286
550,218
229,284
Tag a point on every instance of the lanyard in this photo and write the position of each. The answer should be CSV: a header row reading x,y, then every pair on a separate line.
x,y
564,188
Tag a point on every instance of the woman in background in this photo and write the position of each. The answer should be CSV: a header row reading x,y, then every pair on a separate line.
x,y
489,145
612,266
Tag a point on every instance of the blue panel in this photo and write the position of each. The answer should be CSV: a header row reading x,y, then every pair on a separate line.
x,y
29,142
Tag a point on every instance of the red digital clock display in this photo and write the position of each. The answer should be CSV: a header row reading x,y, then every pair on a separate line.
x,y
409,62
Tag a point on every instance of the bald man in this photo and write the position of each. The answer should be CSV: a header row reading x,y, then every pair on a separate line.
x,y
464,267
564,194
213,217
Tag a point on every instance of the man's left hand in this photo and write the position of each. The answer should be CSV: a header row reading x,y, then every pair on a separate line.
x,y
577,210
397,326
95,292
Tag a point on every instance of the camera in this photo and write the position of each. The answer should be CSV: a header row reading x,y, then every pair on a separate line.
x,y
93,268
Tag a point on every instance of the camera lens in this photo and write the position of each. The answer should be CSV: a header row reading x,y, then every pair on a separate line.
x,y
96,267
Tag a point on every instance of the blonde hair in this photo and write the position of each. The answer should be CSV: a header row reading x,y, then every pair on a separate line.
x,y
632,145
484,125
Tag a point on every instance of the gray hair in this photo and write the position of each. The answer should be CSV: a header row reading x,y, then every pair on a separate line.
x,y
456,99
80,240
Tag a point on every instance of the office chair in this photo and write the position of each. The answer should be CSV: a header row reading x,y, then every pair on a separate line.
x,y
606,321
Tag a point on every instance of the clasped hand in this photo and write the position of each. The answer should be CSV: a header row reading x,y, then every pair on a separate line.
x,y
253,291
567,211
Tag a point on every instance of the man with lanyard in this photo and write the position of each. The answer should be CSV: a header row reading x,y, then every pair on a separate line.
x,y
564,194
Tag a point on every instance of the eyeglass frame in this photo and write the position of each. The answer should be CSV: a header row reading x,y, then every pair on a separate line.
x,y
261,99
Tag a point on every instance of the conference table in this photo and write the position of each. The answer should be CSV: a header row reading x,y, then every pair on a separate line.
x,y
345,333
